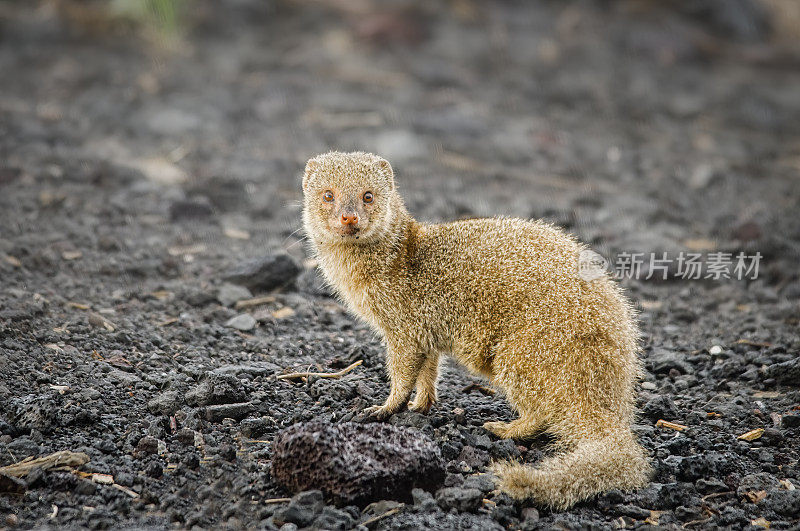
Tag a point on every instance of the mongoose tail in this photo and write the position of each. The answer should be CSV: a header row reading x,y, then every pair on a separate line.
x,y
590,467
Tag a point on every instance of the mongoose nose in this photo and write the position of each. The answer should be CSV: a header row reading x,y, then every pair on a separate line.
x,y
349,219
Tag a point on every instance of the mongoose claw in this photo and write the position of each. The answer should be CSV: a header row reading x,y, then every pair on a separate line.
x,y
377,413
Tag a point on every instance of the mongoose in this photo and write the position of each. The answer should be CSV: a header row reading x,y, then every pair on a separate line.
x,y
505,298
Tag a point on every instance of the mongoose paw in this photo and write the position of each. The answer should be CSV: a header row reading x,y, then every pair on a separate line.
x,y
422,407
377,413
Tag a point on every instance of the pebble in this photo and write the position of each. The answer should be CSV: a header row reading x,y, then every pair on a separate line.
x,y
218,412
243,322
229,294
217,389
190,209
302,509
265,273
353,462
459,498
166,403
785,502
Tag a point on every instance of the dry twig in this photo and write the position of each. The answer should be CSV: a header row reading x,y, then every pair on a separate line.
x,y
257,301
276,500
339,374
64,458
671,425
374,519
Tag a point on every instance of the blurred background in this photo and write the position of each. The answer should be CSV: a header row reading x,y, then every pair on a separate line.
x,y
130,128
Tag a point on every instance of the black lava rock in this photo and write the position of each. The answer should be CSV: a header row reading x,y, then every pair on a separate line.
x,y
785,502
231,411
265,273
166,403
302,510
787,373
332,518
217,389
791,421
459,498
356,463
184,209
660,407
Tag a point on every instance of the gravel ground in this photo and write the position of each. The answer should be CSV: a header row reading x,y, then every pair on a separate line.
x,y
148,184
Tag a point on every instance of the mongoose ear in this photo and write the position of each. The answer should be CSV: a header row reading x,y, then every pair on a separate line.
x,y
312,166
385,169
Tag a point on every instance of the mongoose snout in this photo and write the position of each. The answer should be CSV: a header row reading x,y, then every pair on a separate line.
x,y
349,218
505,298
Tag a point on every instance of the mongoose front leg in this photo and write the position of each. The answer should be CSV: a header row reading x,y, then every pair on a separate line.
x,y
426,385
403,368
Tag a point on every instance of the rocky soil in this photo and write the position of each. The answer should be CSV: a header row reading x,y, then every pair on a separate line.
x,y
153,282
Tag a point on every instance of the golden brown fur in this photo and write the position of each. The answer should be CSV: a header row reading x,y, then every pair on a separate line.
x,y
502,296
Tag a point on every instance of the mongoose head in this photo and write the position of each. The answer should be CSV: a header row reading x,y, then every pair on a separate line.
x,y
348,197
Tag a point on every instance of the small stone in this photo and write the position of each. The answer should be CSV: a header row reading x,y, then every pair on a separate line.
x,y
229,294
715,350
302,509
530,515
187,209
11,484
785,502
459,498
790,421
185,436
265,273
423,499
660,407
155,470
504,449
661,361
217,389
634,511
473,457
243,322
218,412
147,445
483,482
756,482
166,403
356,463
332,518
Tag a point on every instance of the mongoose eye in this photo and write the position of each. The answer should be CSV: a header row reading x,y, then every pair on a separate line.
x,y
368,197
327,196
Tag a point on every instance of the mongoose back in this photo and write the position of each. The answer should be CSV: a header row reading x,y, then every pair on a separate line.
x,y
505,298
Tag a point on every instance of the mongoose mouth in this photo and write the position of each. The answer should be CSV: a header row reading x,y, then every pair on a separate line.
x,y
349,232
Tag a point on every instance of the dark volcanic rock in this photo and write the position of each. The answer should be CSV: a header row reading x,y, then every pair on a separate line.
x,y
785,502
459,498
166,403
218,412
190,209
356,463
302,510
787,373
660,407
217,389
11,484
265,273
